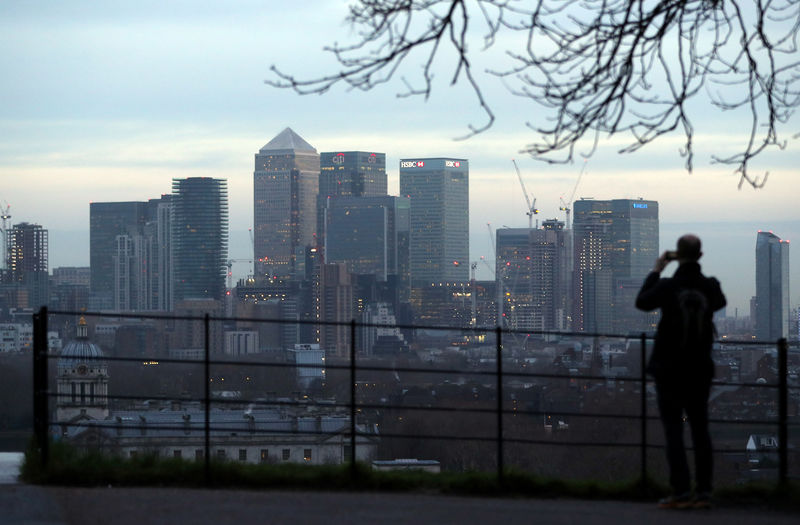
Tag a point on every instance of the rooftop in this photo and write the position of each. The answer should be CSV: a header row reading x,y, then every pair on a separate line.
x,y
288,140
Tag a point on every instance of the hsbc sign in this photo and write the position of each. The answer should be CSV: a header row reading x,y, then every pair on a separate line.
x,y
412,164
452,164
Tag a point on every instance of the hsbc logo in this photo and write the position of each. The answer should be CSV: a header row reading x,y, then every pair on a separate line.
x,y
338,158
452,164
412,164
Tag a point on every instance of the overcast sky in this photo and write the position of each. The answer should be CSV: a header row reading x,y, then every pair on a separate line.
x,y
110,101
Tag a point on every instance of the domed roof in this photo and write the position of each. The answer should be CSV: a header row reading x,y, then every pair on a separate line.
x,y
79,351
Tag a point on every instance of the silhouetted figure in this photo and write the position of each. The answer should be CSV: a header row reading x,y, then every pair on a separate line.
x,y
682,366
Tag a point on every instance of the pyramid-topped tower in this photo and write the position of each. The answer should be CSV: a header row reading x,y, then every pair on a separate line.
x,y
285,188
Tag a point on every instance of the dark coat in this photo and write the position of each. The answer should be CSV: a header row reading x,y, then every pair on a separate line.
x,y
668,360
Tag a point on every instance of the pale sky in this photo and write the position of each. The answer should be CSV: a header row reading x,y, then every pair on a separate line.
x,y
109,101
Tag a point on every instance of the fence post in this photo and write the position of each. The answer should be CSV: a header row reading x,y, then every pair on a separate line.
x,y
40,388
643,408
783,388
207,401
499,342
353,470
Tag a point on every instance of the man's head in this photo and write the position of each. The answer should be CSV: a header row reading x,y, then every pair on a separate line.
x,y
689,248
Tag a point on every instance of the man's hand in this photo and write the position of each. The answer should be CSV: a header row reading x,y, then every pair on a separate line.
x,y
661,263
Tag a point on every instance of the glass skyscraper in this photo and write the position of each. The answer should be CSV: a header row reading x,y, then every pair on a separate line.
x,y
349,174
199,238
772,287
532,270
285,188
368,234
438,189
615,244
107,221
352,174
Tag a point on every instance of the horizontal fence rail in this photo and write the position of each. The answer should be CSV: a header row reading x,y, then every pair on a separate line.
x,y
43,422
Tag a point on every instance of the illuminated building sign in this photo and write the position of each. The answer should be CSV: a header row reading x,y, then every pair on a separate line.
x,y
372,158
639,205
452,164
412,164
338,158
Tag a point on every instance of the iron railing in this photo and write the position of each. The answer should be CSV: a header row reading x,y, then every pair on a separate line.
x,y
42,422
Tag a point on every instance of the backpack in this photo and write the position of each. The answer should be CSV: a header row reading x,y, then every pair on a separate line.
x,y
694,330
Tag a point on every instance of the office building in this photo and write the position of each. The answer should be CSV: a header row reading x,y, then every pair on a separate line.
x,y
352,174
285,188
27,249
772,287
438,189
614,245
368,234
107,220
335,299
349,174
130,255
533,273
199,231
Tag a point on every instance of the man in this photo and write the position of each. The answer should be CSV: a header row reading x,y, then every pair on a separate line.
x,y
682,366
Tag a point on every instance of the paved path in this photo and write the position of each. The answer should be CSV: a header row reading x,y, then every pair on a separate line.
x,y
23,504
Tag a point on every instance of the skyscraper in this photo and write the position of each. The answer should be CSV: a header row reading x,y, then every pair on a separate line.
x,y
107,220
352,174
772,287
349,174
285,188
27,247
130,255
368,234
533,273
199,238
615,244
438,219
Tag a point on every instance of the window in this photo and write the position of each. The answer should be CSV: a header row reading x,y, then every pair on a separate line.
x,y
133,453
176,453
198,453
307,454
286,454
221,453
242,454
264,455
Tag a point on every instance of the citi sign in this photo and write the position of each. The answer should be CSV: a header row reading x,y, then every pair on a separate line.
x,y
412,164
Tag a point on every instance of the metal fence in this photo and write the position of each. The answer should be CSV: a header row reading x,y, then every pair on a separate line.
x,y
42,394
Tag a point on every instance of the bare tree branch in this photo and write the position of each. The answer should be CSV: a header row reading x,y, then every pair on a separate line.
x,y
594,68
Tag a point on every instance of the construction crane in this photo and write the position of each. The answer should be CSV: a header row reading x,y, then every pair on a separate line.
x,y
5,214
230,269
252,249
491,239
567,206
531,206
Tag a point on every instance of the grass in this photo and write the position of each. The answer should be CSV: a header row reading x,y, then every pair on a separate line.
x,y
68,466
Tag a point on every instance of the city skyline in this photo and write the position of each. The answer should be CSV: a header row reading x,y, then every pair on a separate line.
x,y
189,100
